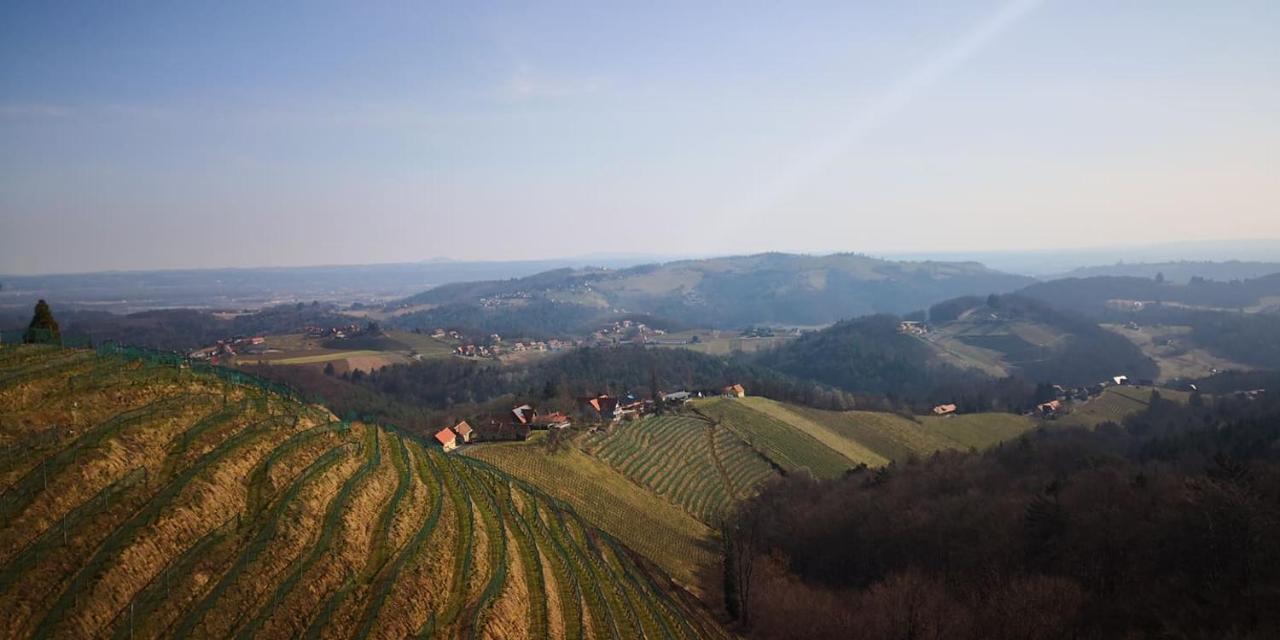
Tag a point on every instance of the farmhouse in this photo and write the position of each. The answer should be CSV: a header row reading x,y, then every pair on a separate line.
x,y
556,420
913,328
523,414
1049,408
601,407
463,430
734,391
1121,379
944,409
495,430
447,439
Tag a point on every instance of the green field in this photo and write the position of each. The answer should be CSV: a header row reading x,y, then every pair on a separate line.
x,y
787,446
872,437
889,435
327,356
664,533
700,467
1114,405
142,499
978,430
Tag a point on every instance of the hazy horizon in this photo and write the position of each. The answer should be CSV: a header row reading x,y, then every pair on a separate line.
x,y
136,137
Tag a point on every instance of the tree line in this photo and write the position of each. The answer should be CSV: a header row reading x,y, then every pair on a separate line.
x,y
1161,527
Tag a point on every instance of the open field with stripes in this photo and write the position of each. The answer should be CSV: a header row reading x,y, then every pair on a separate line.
x,y
140,500
826,443
695,464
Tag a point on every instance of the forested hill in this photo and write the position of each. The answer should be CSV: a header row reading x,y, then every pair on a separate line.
x,y
1181,272
771,288
1092,295
969,339
1161,528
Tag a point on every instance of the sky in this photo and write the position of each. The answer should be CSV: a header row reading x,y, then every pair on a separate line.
x,y
180,135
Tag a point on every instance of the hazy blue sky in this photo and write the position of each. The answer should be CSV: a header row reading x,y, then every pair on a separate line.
x,y
269,133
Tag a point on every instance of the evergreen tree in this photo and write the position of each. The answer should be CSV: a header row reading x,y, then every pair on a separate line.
x,y
43,328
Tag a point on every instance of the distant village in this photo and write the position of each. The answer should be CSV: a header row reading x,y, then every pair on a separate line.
x,y
230,347
596,411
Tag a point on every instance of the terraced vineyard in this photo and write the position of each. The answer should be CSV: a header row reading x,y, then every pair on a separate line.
x,y
144,500
661,531
695,464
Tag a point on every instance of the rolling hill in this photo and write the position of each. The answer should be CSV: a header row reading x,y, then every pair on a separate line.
x,y
145,498
1180,272
731,292
968,340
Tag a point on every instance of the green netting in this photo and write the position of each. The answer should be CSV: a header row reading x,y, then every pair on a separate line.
x,y
435,484
331,523
265,534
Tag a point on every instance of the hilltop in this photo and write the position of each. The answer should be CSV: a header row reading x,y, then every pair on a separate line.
x,y
730,292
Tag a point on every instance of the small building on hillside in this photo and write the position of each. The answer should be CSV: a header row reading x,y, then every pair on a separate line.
x,y
447,438
1049,408
678,397
944,409
523,414
555,420
912,328
602,407
463,430
495,430
1120,379
734,391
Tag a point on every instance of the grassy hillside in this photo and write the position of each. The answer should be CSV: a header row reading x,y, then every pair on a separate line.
x,y
702,467
1114,405
1033,340
143,500
789,447
871,437
978,430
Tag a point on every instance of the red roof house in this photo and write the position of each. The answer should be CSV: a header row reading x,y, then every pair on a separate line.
x,y
463,430
447,439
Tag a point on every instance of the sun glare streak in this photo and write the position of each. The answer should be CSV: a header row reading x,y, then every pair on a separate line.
x,y
827,151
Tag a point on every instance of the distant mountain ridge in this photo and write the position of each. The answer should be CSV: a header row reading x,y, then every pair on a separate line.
x,y
1180,272
728,292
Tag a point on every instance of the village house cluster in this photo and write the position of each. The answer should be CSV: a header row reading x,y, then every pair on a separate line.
x,y
339,333
624,331
913,328
596,410
230,347
496,347
516,425
1063,398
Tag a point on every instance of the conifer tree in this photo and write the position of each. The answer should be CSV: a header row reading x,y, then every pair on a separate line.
x,y
43,328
